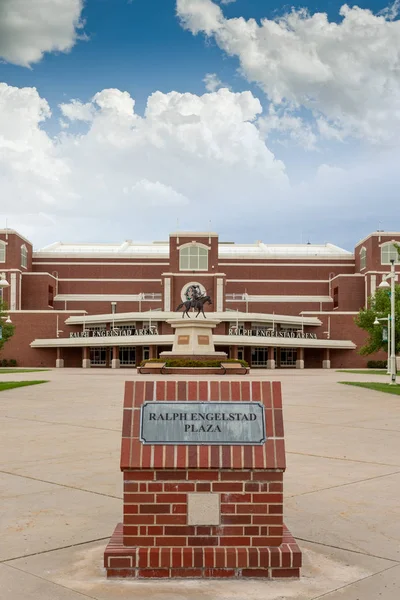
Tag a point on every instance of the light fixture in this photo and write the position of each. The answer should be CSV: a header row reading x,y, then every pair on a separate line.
x,y
384,285
3,281
376,322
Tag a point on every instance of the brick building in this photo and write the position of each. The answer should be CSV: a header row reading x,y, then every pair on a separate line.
x,y
108,305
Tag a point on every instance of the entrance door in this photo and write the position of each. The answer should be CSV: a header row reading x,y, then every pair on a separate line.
x,y
127,356
288,357
98,356
259,357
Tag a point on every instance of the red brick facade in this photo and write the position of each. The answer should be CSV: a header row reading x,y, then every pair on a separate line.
x,y
329,285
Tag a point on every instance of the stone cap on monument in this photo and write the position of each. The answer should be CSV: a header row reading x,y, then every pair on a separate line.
x,y
194,322
203,424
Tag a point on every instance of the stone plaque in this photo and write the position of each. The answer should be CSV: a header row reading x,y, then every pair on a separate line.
x,y
218,423
183,340
203,340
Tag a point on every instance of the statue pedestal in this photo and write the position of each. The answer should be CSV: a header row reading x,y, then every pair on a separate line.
x,y
193,339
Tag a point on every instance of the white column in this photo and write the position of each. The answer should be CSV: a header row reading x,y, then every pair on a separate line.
x,y
300,358
373,284
13,291
366,291
220,295
167,294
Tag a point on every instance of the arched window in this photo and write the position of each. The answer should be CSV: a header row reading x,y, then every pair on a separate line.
x,y
24,256
363,258
193,258
388,253
2,251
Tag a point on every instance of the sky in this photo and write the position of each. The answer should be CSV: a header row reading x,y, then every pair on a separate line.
x,y
261,120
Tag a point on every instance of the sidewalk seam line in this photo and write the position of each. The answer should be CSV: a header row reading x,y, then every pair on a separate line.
x,y
55,549
332,487
343,587
393,560
69,487
51,582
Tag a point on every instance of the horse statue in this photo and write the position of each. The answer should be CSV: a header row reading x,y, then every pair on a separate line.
x,y
194,303
195,299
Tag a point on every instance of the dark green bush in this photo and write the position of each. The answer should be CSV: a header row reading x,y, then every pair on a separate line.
x,y
12,362
187,362
377,364
4,362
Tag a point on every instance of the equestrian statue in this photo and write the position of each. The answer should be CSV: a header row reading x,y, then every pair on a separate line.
x,y
195,299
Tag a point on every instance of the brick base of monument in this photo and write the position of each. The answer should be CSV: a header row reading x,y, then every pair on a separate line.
x,y
282,561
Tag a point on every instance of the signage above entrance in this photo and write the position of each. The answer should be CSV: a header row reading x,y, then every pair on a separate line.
x,y
272,333
88,333
217,423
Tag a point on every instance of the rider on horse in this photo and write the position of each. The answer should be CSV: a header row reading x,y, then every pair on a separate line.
x,y
194,293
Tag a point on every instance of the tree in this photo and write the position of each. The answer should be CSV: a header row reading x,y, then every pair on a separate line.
x,y
7,329
379,307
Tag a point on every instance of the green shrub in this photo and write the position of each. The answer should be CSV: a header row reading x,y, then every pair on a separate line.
x,y
12,362
377,364
4,362
188,362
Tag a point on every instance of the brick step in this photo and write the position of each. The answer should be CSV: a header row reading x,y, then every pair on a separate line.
x,y
202,562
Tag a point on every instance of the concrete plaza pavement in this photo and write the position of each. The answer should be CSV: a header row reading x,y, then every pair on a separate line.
x,y
61,490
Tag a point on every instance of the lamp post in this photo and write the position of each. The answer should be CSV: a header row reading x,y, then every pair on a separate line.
x,y
377,322
384,285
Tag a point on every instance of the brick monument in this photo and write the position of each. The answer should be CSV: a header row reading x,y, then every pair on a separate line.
x,y
203,465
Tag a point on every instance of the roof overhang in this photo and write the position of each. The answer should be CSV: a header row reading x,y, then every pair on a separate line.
x,y
167,340
227,316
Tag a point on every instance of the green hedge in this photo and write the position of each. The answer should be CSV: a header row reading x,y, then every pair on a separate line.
x,y
377,364
8,363
187,362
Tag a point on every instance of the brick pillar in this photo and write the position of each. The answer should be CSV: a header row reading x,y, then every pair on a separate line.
x,y
271,360
115,363
233,352
59,359
203,511
326,363
300,358
153,351
85,358
139,355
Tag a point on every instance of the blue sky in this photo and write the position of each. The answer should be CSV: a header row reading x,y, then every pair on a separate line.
x,y
325,147
139,46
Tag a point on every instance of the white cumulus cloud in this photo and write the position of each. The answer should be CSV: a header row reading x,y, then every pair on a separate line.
x,y
29,28
212,82
347,74
188,154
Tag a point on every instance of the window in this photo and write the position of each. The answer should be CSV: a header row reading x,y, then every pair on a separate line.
x,y
51,296
127,356
24,256
2,251
98,356
363,258
335,297
288,357
388,253
259,357
193,258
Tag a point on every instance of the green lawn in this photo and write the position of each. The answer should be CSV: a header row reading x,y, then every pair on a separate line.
x,y
9,385
365,371
16,370
378,387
